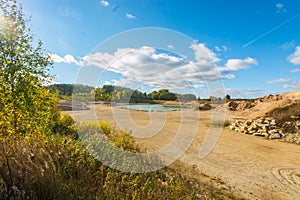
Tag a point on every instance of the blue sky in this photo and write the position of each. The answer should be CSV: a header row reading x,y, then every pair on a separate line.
x,y
249,48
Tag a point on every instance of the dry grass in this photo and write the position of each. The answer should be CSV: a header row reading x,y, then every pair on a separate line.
x,y
60,167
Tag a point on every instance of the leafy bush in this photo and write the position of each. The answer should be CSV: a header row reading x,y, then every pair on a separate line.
x,y
66,126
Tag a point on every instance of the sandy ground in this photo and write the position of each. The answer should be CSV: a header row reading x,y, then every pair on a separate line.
x,y
253,167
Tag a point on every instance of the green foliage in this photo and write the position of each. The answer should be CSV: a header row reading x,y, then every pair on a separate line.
x,y
119,94
69,89
66,126
26,106
105,127
227,97
163,94
167,96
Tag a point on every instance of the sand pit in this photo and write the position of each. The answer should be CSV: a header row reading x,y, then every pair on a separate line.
x,y
253,167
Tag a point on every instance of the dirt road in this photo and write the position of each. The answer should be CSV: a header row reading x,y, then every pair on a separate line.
x,y
254,167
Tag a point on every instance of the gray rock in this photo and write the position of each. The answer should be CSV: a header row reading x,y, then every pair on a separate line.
x,y
275,136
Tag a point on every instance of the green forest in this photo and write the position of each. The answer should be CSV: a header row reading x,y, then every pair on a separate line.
x,y
41,155
118,94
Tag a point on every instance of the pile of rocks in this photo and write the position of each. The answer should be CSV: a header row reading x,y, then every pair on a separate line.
x,y
264,127
267,127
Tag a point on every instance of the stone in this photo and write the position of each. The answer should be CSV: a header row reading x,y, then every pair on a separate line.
x,y
273,122
273,131
275,136
259,134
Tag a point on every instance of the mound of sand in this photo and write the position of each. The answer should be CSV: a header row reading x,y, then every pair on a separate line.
x,y
260,107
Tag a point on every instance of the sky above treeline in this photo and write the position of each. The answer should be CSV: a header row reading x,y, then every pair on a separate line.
x,y
246,49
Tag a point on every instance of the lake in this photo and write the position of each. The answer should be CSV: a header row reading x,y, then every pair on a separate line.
x,y
154,107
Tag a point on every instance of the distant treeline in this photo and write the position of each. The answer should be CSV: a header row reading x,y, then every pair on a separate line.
x,y
69,89
120,94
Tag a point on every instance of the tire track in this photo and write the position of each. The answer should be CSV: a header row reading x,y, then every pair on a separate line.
x,y
288,176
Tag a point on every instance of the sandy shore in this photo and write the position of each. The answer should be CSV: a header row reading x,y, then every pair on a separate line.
x,y
254,167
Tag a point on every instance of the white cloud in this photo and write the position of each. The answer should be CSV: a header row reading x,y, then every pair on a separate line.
x,y
218,48
198,86
203,55
234,93
107,83
130,16
295,57
104,3
170,46
295,70
293,85
229,76
222,48
288,45
238,64
280,80
245,93
160,70
66,59
280,8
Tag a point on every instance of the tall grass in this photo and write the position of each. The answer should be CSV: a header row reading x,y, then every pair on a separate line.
x,y
60,167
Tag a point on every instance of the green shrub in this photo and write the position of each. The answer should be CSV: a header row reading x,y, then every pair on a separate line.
x,y
66,126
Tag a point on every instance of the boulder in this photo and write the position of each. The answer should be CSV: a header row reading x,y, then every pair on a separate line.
x,y
275,136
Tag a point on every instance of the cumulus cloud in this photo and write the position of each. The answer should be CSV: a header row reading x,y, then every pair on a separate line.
x,y
66,59
162,70
203,55
293,85
238,64
295,57
295,70
130,16
104,3
280,80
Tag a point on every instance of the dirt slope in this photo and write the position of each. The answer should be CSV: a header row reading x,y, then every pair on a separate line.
x,y
268,103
